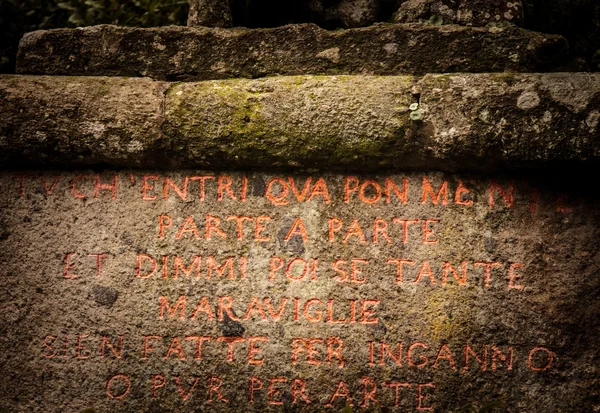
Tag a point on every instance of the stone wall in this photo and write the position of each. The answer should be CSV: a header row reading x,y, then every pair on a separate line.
x,y
398,217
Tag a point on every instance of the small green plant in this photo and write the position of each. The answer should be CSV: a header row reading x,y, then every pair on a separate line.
x,y
435,20
415,113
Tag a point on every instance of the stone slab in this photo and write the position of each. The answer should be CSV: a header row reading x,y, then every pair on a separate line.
x,y
481,122
184,53
532,118
220,291
109,120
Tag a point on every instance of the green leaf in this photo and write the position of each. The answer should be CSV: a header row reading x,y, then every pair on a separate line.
x,y
76,19
436,20
415,115
66,6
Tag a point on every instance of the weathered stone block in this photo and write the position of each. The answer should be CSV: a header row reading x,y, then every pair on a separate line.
x,y
463,122
198,290
180,53
355,121
529,119
74,120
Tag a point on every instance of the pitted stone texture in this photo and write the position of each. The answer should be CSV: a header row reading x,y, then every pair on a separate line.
x,y
525,118
53,359
291,122
76,119
286,121
183,53
463,12
464,122
210,13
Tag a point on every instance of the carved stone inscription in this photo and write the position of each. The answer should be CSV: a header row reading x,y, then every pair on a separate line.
x,y
154,291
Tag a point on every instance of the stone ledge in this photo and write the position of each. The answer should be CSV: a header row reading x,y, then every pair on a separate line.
x,y
473,122
184,53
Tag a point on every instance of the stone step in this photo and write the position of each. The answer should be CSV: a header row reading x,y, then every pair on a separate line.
x,y
197,53
463,122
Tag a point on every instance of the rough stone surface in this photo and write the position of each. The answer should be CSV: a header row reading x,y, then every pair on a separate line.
x,y
180,53
46,119
210,13
508,116
57,310
464,12
305,122
464,122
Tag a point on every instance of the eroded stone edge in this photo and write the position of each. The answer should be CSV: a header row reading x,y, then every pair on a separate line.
x,y
199,53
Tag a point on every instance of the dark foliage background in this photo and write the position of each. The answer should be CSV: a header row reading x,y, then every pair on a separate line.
x,y
20,16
